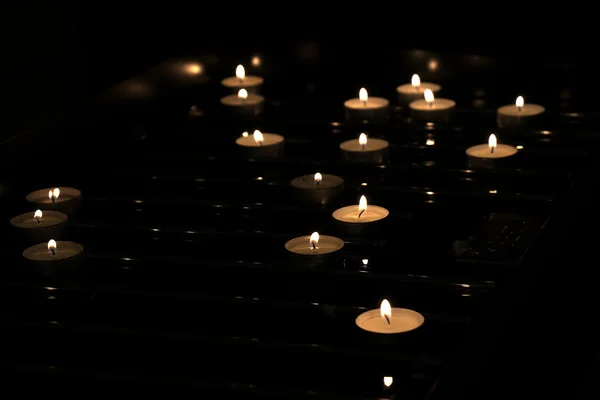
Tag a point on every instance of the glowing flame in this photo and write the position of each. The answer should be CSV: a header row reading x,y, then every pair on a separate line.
x,y
243,94
520,101
193,69
388,380
240,72
362,204
318,177
415,81
258,136
386,309
256,61
429,96
362,139
492,141
245,134
37,214
363,95
54,193
52,245
314,239
365,261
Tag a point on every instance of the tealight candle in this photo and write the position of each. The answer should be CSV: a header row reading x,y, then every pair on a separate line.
x,y
314,249
244,103
356,218
55,257
63,199
415,90
318,188
262,145
242,81
490,155
431,109
388,320
520,114
39,226
365,150
365,108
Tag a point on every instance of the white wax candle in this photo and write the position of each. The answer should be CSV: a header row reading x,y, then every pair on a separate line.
x,y
244,103
415,90
318,188
373,151
262,145
365,108
518,114
242,81
350,214
64,250
48,227
67,201
325,245
482,156
401,320
431,109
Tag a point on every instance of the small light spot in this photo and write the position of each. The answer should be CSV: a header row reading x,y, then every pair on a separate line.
x,y
260,178
519,147
430,142
363,184
493,191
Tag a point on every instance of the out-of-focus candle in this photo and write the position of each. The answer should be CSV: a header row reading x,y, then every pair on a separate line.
x,y
242,81
490,155
318,188
314,249
388,320
430,109
39,226
364,149
366,108
519,114
244,103
262,145
415,90
64,199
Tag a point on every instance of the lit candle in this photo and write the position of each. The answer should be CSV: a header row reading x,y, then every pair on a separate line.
x,y
244,103
388,320
317,188
415,90
430,109
261,145
356,218
490,155
365,150
38,226
314,249
63,199
365,108
242,81
519,114
55,257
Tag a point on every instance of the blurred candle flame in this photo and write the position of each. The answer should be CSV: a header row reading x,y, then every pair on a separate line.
x,y
386,309
520,101
415,81
492,141
429,96
53,194
363,95
314,239
256,61
318,177
240,72
193,68
362,204
38,214
51,245
362,139
388,380
258,137
243,94
245,134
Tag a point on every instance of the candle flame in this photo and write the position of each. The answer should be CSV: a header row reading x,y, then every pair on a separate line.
x,y
37,214
51,245
520,101
363,95
54,193
362,139
243,94
429,96
193,69
240,72
415,81
492,141
365,261
256,61
388,380
314,239
318,177
386,309
258,136
362,204
245,134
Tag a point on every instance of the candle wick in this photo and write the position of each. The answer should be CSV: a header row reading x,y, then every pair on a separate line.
x,y
362,146
38,220
53,252
260,143
492,149
241,80
387,319
318,182
53,200
360,213
519,108
431,104
314,245
416,88
364,103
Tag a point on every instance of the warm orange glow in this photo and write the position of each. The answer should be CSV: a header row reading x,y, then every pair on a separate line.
x,y
430,142
37,214
53,194
314,239
388,380
362,204
193,68
318,177
258,136
433,65
386,309
363,95
429,96
256,61
362,139
52,245
243,94
245,134
520,101
415,81
492,141
240,72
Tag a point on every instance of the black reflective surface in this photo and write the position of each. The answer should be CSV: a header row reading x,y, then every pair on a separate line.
x,y
186,282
